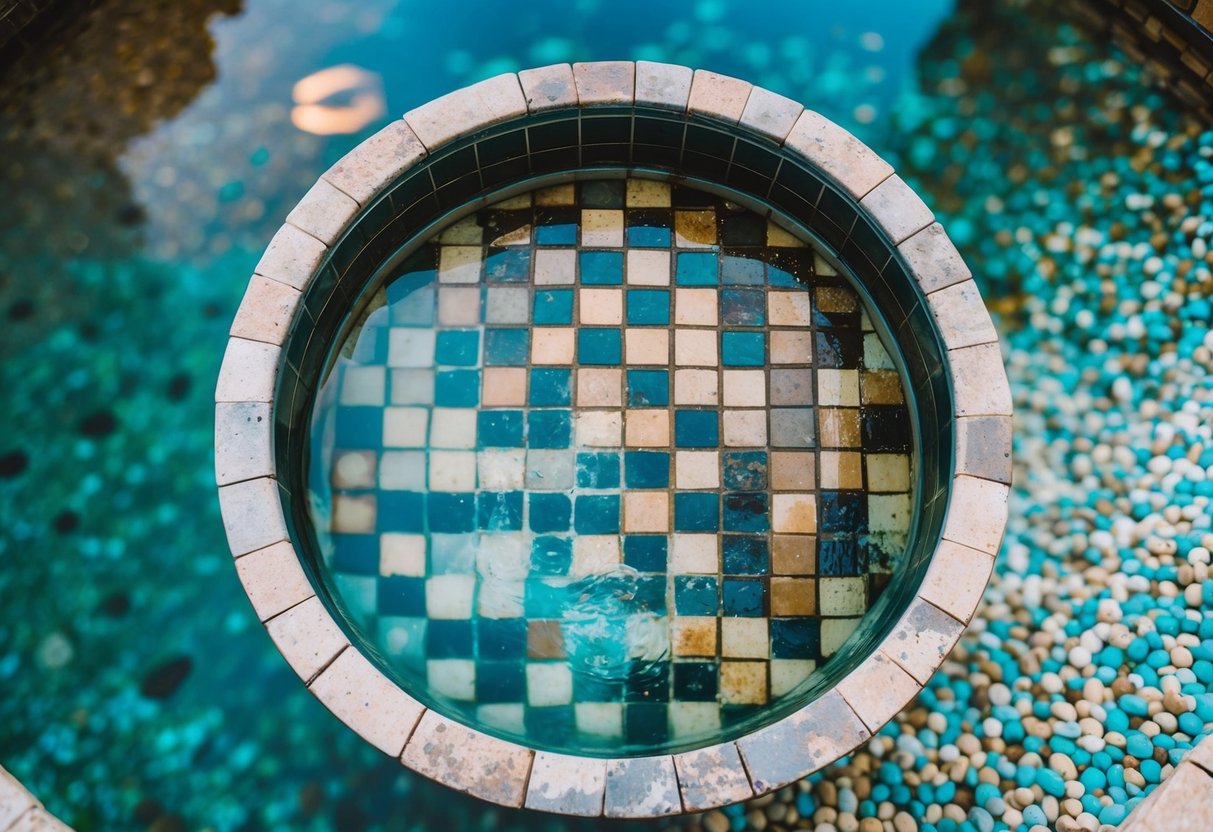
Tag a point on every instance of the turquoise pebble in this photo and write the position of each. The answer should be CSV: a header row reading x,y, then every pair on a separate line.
x,y
1112,814
1138,745
1093,779
1034,815
1133,704
1051,782
982,820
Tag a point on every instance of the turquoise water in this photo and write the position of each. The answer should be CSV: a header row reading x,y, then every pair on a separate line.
x,y
147,160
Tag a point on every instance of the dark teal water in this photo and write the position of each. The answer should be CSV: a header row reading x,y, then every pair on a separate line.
x,y
147,159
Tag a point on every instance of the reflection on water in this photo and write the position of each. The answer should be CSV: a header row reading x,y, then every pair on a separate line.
x,y
339,99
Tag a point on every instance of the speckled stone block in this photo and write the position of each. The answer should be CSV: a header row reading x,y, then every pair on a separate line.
x,y
962,316
605,82
292,257
663,85
1182,803
770,114
15,801
877,690
273,579
980,381
266,312
38,820
548,87
1202,755
983,447
897,209
471,762
467,110
922,639
324,212
813,737
718,96
243,442
850,162
977,513
370,166
252,515
710,777
933,259
307,637
368,702
248,372
956,579
565,784
642,787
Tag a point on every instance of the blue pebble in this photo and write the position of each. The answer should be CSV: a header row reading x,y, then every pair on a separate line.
x,y
1051,782
1133,704
1138,745
1034,816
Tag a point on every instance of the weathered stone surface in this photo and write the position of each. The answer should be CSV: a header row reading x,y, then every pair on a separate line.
x,y
663,85
933,259
962,316
15,801
980,381
248,373
850,162
243,447
252,515
1182,803
376,162
471,762
368,702
548,87
642,787
922,638
956,579
307,637
565,784
877,690
983,447
266,312
273,579
324,212
718,96
977,513
710,777
467,110
292,257
897,209
605,82
770,114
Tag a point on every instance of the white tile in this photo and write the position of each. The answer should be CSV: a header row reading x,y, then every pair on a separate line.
x,y
694,719
402,471
696,387
405,427
697,469
413,386
402,554
599,428
596,554
745,388
842,596
695,348
600,306
648,267
410,347
555,266
694,554
363,386
452,678
838,388
449,597
548,684
834,632
501,469
507,305
452,471
599,719
745,428
459,264
453,428
786,674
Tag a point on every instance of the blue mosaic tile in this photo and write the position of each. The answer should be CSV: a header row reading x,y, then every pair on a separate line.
x,y
744,470
840,557
648,307
451,513
508,265
457,388
359,427
743,349
696,512
551,387
500,682
745,597
598,470
744,555
741,271
652,685
645,553
695,681
400,511
553,306
551,555
647,721
596,514
601,268
556,227
500,639
544,599
499,511
795,638
599,346
450,639
646,469
500,428
401,596
746,512
696,595
838,348
648,236
696,429
550,429
458,347
507,347
648,388
743,307
696,269
842,512
357,554
549,512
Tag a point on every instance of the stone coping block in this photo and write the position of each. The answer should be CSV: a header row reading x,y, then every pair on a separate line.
x,y
20,811
286,294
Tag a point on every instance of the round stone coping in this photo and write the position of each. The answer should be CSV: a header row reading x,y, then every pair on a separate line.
x,y
892,245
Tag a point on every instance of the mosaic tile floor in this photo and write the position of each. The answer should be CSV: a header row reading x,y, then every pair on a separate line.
x,y
613,465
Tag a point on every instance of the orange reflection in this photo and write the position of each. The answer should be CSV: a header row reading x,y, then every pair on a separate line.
x,y
359,95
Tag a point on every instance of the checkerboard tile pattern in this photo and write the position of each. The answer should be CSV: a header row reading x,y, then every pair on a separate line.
x,y
614,463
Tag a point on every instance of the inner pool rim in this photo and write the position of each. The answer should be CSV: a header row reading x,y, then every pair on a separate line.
x,y
934,602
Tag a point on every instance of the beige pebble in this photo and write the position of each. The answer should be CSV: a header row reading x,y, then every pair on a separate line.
x,y
871,825
903,822
716,821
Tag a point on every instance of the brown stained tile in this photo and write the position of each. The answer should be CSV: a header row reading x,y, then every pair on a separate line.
x,y
693,636
794,513
791,347
478,764
647,193
694,229
793,554
793,596
881,387
711,777
792,470
744,638
601,228
557,195
933,260
266,312
376,161
504,387
887,473
663,85
841,470
548,87
897,209
544,640
743,683
354,514
838,427
836,299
